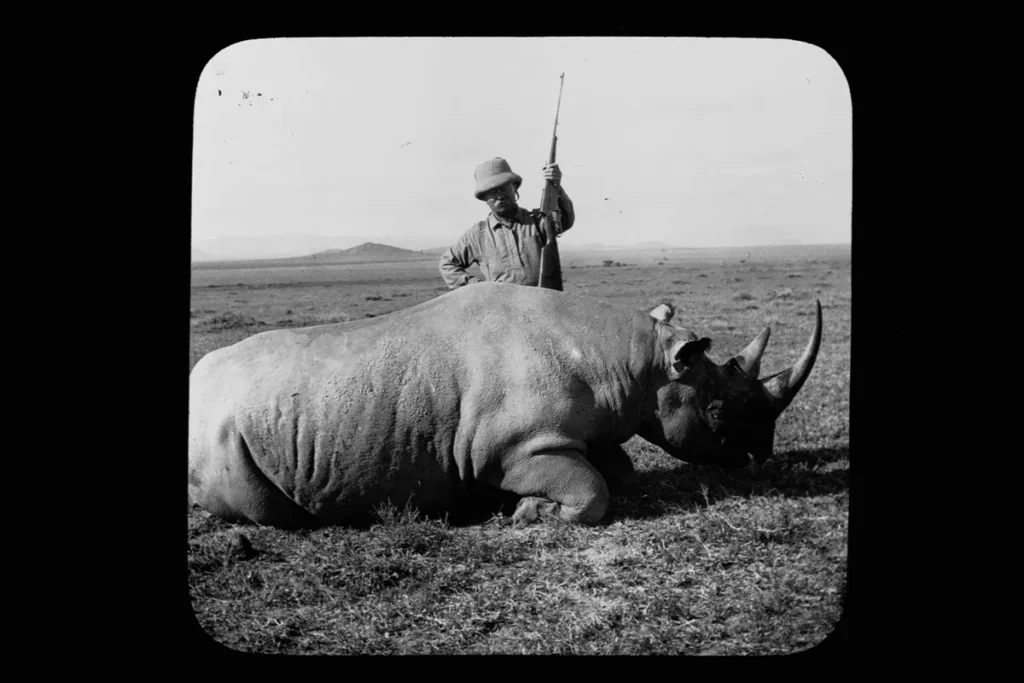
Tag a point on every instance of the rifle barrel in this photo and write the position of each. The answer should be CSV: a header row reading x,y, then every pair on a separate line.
x,y
550,263
558,108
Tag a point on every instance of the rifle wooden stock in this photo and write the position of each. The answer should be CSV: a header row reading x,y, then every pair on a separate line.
x,y
550,263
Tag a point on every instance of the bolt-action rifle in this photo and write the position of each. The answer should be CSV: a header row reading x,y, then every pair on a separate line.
x,y
550,264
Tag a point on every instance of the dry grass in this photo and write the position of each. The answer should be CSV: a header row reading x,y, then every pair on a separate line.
x,y
701,562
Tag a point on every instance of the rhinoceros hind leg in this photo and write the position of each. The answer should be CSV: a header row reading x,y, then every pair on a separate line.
x,y
561,484
232,487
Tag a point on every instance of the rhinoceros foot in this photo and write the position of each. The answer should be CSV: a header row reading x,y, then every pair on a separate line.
x,y
571,488
530,508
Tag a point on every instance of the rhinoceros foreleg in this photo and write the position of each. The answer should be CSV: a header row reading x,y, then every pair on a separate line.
x,y
559,483
615,466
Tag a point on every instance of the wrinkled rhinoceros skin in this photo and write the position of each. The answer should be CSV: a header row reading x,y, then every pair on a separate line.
x,y
490,386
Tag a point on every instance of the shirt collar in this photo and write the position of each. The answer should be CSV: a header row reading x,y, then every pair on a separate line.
x,y
493,221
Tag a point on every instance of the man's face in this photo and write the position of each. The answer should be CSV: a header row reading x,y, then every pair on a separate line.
x,y
502,200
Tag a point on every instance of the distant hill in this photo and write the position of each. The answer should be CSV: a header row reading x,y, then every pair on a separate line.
x,y
368,252
435,251
283,246
200,255
260,247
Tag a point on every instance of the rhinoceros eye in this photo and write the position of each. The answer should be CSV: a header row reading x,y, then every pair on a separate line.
x,y
715,413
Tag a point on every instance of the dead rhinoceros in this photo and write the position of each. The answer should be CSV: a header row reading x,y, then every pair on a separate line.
x,y
525,389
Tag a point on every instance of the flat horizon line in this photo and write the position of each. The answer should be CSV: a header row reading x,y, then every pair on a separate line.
x,y
566,246
433,252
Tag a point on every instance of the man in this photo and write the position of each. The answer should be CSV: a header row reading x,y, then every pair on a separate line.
x,y
507,243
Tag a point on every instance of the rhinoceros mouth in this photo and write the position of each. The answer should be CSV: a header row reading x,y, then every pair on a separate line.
x,y
732,458
714,454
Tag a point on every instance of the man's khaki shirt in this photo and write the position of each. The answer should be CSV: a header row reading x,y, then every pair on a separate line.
x,y
506,251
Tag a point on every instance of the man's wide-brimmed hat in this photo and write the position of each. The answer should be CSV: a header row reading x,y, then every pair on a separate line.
x,y
492,174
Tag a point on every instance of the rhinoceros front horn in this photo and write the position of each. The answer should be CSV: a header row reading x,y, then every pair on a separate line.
x,y
783,387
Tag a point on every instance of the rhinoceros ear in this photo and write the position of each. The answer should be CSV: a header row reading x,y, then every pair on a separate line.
x,y
663,312
684,353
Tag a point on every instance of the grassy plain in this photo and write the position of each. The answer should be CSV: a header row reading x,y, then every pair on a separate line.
x,y
702,562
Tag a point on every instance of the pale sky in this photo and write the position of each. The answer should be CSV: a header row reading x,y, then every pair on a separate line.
x,y
693,142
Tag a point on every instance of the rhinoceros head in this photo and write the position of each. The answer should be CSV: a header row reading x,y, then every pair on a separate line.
x,y
706,413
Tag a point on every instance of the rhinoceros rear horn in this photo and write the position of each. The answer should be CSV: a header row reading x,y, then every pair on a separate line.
x,y
749,359
783,387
